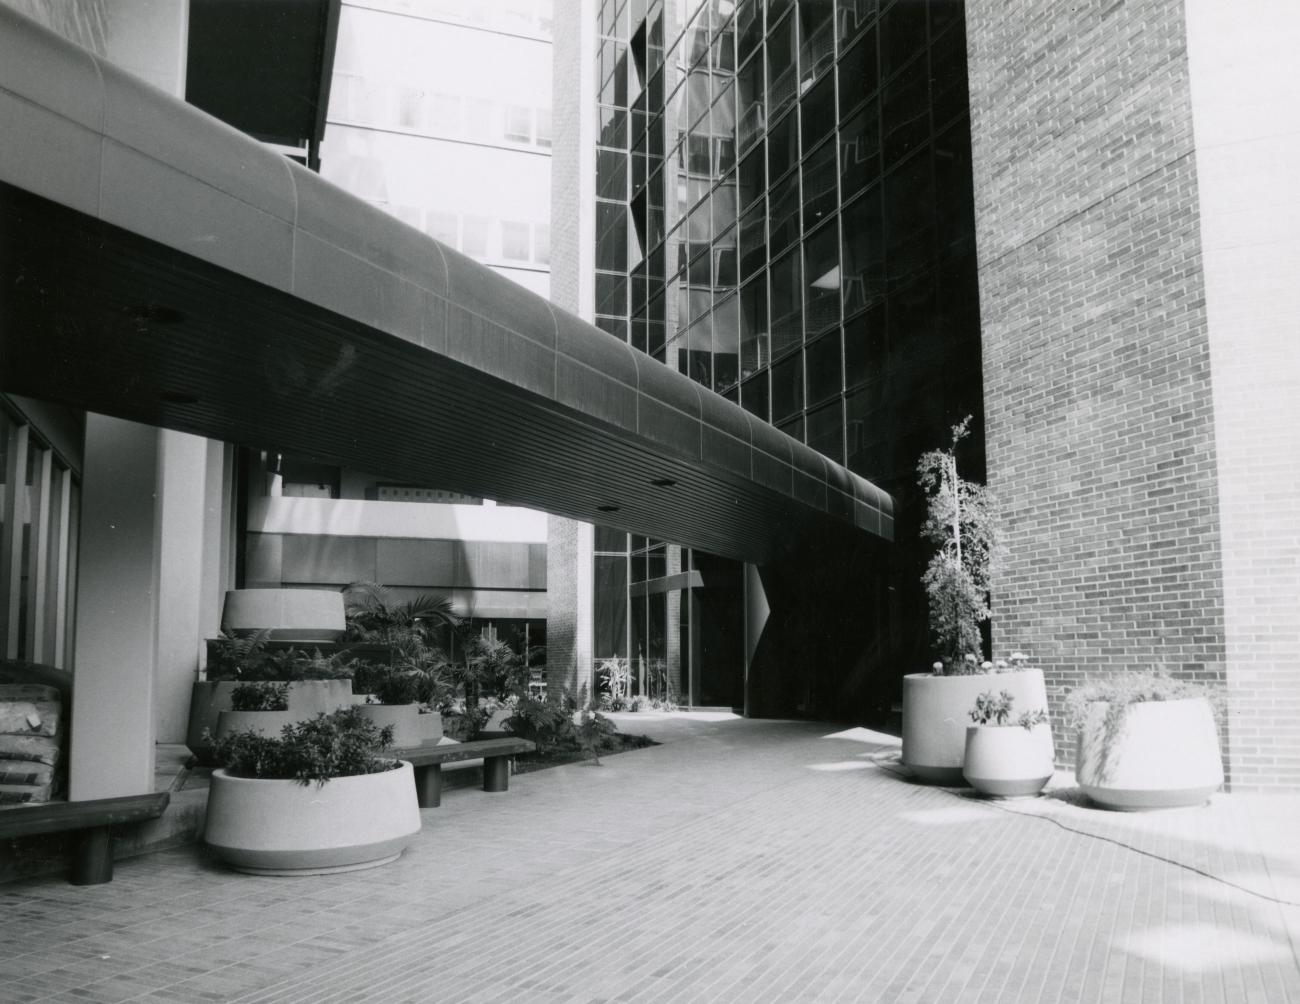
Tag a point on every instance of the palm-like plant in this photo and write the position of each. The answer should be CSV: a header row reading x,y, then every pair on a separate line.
x,y
374,616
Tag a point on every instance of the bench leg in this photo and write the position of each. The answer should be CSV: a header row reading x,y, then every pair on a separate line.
x,y
92,856
496,773
428,786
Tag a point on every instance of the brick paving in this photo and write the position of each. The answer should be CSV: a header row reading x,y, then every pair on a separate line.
x,y
740,861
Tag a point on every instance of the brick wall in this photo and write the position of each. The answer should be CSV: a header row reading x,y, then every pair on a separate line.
x,y
1097,377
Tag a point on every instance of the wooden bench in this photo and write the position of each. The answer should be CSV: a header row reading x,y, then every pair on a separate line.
x,y
93,820
428,760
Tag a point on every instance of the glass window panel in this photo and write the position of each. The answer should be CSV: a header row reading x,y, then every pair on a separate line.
x,y
611,294
777,8
952,184
943,15
823,370
905,112
822,272
948,87
724,206
609,595
819,188
519,124
476,231
611,236
793,428
787,387
752,179
753,241
698,96
817,113
443,226
749,102
825,431
657,324
609,539
868,436
616,326
858,73
909,217
640,332
724,49
699,351
724,266
865,347
700,154
816,40
611,174
543,127
902,34
752,320
726,344
860,150
782,147
783,225
854,16
749,27
515,241
864,260
753,395
786,284
781,60
613,127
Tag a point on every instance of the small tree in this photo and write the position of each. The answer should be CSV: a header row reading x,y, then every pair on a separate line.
x,y
962,522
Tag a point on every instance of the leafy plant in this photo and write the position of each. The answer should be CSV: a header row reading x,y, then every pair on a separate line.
x,y
962,522
396,685
616,678
595,732
548,723
249,659
375,616
260,696
1121,691
229,657
991,710
342,744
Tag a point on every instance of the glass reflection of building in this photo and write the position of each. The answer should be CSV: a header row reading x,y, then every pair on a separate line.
x,y
784,213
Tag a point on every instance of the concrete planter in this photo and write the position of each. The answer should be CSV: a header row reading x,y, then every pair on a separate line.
x,y
304,615
264,723
1165,756
410,728
1008,761
307,698
267,827
935,717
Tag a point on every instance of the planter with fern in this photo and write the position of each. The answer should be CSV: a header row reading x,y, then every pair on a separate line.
x,y
1007,755
320,798
1146,741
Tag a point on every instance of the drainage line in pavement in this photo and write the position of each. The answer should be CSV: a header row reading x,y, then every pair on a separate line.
x,y
992,804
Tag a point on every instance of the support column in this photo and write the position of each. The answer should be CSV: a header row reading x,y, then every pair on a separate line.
x,y
182,498
756,614
115,654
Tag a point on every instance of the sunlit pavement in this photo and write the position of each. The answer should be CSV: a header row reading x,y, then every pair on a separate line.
x,y
740,861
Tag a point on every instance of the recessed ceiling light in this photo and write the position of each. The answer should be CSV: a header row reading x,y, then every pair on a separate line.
x,y
176,397
663,482
154,313
607,508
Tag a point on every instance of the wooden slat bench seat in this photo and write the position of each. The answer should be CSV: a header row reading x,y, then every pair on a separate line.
x,y
428,760
92,819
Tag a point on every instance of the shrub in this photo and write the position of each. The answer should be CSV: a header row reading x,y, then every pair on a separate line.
x,y
260,696
962,522
546,722
342,744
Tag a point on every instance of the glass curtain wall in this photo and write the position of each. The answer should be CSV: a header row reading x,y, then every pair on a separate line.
x,y
785,215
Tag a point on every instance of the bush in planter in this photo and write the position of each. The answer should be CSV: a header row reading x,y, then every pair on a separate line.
x,y
1006,756
319,798
260,696
342,744
1146,740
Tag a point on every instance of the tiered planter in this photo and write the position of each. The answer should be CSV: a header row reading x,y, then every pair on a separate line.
x,y
936,714
410,728
1166,755
285,828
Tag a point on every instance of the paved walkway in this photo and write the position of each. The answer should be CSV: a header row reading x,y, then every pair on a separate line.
x,y
740,861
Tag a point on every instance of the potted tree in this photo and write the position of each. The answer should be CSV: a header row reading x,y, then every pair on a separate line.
x,y
1146,741
962,523
319,798
1007,757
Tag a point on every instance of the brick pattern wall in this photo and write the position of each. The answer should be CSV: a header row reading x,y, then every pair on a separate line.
x,y
1100,424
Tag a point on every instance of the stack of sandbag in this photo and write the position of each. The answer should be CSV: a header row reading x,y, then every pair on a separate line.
x,y
31,737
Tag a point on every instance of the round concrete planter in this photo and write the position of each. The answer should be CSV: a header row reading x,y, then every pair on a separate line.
x,y
1008,761
208,699
408,726
935,717
285,828
1165,756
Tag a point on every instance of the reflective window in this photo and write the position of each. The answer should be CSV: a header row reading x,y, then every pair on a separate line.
x,y
786,299
823,373
754,350
864,245
822,274
787,387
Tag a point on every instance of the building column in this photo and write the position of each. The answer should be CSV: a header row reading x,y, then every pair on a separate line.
x,y
116,648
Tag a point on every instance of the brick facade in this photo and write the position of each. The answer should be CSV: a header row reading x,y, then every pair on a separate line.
x,y
1099,411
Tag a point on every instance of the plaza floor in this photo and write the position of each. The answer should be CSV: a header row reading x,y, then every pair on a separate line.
x,y
739,861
